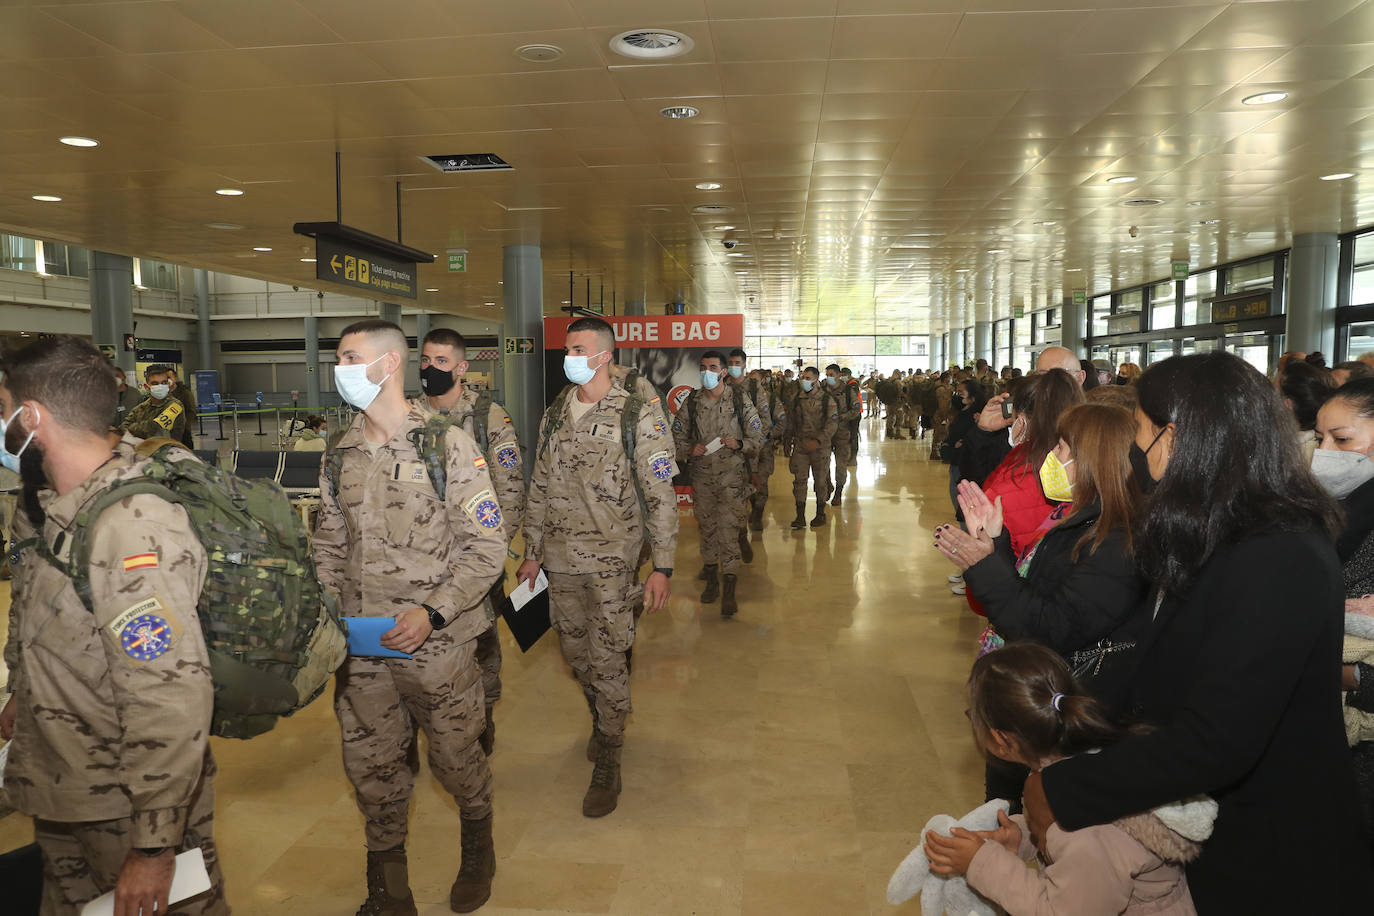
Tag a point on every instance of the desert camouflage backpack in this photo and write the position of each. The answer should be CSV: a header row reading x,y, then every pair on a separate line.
x,y
272,632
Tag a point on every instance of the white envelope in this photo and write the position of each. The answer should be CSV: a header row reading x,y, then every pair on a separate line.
x,y
189,879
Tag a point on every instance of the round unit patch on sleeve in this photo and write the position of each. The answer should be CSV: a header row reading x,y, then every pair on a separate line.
x,y
484,510
146,637
508,456
756,424
661,464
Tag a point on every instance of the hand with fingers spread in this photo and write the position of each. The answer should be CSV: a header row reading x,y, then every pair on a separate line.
x,y
980,514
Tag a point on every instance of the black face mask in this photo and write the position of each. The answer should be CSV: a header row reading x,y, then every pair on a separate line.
x,y
436,381
1140,466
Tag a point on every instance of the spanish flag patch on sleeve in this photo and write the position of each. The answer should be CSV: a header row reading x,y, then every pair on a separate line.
x,y
479,462
140,561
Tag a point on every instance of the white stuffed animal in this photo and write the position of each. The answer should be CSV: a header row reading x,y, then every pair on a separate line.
x,y
942,894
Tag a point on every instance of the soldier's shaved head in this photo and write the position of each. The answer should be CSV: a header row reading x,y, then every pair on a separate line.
x,y
605,334
382,336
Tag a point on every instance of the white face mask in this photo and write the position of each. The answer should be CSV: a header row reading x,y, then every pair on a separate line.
x,y
1342,473
8,459
160,391
577,370
355,387
709,379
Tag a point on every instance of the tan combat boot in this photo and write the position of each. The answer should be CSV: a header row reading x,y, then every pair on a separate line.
x,y
604,792
472,887
388,885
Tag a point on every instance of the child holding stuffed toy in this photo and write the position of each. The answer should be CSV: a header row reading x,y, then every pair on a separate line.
x,y
1027,708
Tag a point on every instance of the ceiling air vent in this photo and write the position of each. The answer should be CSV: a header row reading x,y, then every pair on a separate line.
x,y
1142,202
651,44
467,162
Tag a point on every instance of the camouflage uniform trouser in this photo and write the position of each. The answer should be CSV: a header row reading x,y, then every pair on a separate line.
x,y
376,700
593,615
489,646
764,462
841,447
816,465
720,503
938,432
81,861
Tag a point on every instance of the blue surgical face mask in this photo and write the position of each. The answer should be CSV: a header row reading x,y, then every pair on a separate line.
x,y
8,459
709,379
355,387
577,370
831,380
807,384
736,371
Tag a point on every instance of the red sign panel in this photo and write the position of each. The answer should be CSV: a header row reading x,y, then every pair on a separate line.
x,y
663,332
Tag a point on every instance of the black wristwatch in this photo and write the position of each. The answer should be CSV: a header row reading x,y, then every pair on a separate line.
x,y
151,851
667,573
436,620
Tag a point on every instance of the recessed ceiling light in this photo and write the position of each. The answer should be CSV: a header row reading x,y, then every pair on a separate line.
x,y
1264,98
1208,222
997,251
678,112
229,192
79,141
432,289
708,185
1121,179
489,303
1201,203
1142,202
724,228
735,254
1048,222
1074,270
307,260
47,198
260,248
1338,176
229,227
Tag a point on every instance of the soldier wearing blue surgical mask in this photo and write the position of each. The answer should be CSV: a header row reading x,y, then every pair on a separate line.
x,y
161,415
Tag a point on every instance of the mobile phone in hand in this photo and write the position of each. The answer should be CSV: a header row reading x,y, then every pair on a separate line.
x,y
1006,409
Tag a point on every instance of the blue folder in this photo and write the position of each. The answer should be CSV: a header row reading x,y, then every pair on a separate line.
x,y
365,637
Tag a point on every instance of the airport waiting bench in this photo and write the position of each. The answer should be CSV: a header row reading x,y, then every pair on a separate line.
x,y
298,473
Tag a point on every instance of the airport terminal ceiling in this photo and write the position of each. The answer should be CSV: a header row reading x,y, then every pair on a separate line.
x,y
881,166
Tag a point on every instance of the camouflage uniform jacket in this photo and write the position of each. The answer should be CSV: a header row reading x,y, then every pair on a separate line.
x,y
846,403
502,451
389,543
156,418
814,415
715,418
768,405
113,706
583,514
183,393
129,398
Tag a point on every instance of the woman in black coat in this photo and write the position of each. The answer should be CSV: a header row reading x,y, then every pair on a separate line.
x,y
1076,590
972,398
1239,671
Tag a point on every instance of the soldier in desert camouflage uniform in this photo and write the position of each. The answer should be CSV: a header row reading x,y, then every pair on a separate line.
x,y
771,414
112,702
720,480
443,362
848,409
389,546
590,511
157,416
812,419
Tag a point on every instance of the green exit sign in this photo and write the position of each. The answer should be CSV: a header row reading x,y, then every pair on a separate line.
x,y
457,262
1179,270
1080,297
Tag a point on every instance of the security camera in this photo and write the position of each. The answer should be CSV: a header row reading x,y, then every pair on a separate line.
x,y
1134,231
319,295
295,288
729,244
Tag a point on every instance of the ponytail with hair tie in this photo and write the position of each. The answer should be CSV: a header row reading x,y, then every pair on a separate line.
x,y
1056,700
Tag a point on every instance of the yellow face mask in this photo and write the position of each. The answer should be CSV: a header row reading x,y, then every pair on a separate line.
x,y
1054,480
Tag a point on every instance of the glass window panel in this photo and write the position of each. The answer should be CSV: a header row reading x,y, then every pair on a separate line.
x,y
1099,308
1255,275
1191,345
1198,287
1362,279
1130,301
17,253
1163,311
1361,339
1157,350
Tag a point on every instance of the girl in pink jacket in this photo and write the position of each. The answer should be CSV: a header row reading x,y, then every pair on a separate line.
x,y
1027,708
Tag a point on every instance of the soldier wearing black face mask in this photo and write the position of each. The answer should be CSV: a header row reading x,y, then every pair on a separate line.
x,y
443,361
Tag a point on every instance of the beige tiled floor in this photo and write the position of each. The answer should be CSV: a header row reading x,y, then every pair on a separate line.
x,y
779,763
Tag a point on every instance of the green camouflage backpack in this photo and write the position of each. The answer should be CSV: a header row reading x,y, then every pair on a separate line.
x,y
273,635
629,424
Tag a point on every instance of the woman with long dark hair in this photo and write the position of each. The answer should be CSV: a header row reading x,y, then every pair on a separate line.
x,y
1239,670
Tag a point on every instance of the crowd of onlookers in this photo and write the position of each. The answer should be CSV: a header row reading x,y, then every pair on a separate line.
x,y
1177,571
